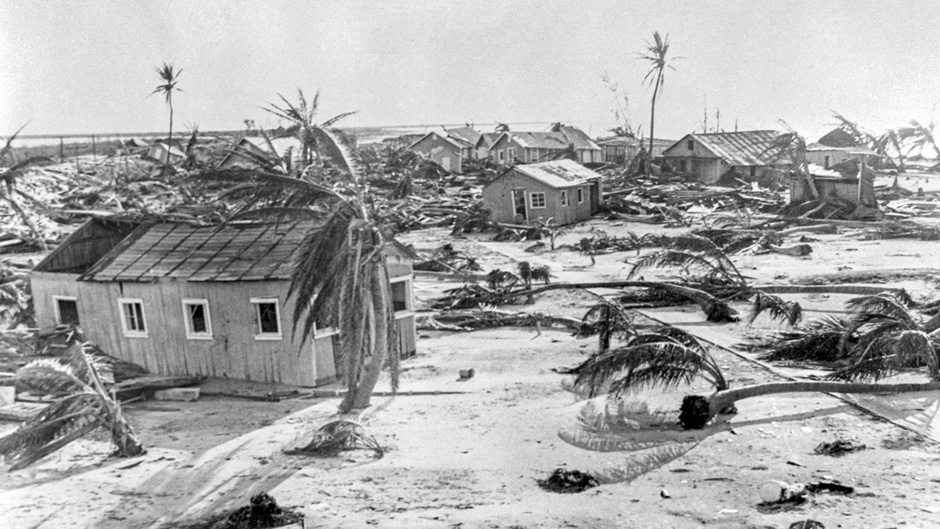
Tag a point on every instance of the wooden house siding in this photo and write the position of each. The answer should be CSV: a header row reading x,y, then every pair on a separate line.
x,y
834,188
233,350
442,152
498,198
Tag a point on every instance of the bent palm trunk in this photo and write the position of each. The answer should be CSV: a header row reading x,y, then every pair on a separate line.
x,y
698,410
380,349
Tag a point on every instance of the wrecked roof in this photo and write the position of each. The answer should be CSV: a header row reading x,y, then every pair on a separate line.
x,y
252,252
558,173
456,142
465,134
747,148
813,147
578,138
838,137
540,140
634,142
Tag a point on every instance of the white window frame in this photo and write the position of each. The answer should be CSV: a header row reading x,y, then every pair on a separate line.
x,y
501,155
532,196
128,332
188,321
580,195
55,304
409,296
256,304
511,154
564,198
534,155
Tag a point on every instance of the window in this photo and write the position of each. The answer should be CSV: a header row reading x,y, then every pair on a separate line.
x,y
537,200
500,153
66,310
268,319
690,144
682,165
564,198
401,296
827,162
196,319
580,195
132,318
512,154
753,171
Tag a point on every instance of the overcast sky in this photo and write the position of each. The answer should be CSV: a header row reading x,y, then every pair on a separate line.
x,y
88,67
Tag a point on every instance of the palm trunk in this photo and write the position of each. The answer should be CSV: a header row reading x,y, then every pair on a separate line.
x,y
382,313
649,169
722,399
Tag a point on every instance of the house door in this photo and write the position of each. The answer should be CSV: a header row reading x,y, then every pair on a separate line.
x,y
445,163
518,204
595,197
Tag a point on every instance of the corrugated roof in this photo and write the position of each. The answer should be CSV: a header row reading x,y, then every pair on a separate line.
x,y
558,173
634,142
749,147
252,252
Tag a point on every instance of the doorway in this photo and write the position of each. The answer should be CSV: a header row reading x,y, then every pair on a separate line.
x,y
518,204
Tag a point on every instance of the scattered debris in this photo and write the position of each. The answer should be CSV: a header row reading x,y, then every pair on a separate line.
x,y
262,512
338,436
568,481
838,448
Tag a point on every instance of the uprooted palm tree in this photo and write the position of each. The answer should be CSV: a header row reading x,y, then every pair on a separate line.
x,y
339,277
669,358
82,405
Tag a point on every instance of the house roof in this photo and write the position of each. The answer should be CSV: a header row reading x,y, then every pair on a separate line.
x,y
838,137
558,173
487,139
253,252
457,143
465,134
634,142
540,140
749,147
578,138
814,147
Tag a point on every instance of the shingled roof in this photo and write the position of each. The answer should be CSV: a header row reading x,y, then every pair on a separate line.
x,y
747,148
253,252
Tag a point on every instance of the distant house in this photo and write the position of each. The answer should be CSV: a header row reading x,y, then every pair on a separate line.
x,y
621,149
402,141
179,299
513,147
840,183
561,190
710,156
163,153
447,151
485,143
837,146
468,135
249,149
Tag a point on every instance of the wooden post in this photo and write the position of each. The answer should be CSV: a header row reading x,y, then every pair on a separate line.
x,y
61,150
94,151
861,174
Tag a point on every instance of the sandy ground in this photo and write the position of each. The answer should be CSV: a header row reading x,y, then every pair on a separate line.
x,y
471,460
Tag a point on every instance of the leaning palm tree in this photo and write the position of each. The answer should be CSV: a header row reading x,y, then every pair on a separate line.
x,y
919,135
83,406
9,176
340,275
656,55
170,77
668,358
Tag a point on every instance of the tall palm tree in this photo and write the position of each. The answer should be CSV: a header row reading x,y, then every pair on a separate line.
x,y
84,406
656,55
340,276
170,77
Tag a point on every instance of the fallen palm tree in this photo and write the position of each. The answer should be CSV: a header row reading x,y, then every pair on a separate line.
x,y
668,358
338,436
82,407
469,320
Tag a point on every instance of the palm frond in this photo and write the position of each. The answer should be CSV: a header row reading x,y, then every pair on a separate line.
x,y
791,311
337,152
8,145
57,421
688,261
49,376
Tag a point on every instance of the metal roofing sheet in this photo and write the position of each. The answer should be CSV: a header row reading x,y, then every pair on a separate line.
x,y
746,148
558,173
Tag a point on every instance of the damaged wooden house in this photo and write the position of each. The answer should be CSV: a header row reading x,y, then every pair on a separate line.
x,y
724,156
447,150
562,190
180,299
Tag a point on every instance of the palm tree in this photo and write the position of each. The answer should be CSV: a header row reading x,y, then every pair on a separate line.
x,y
313,137
891,340
170,77
919,135
657,52
340,275
607,319
84,406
